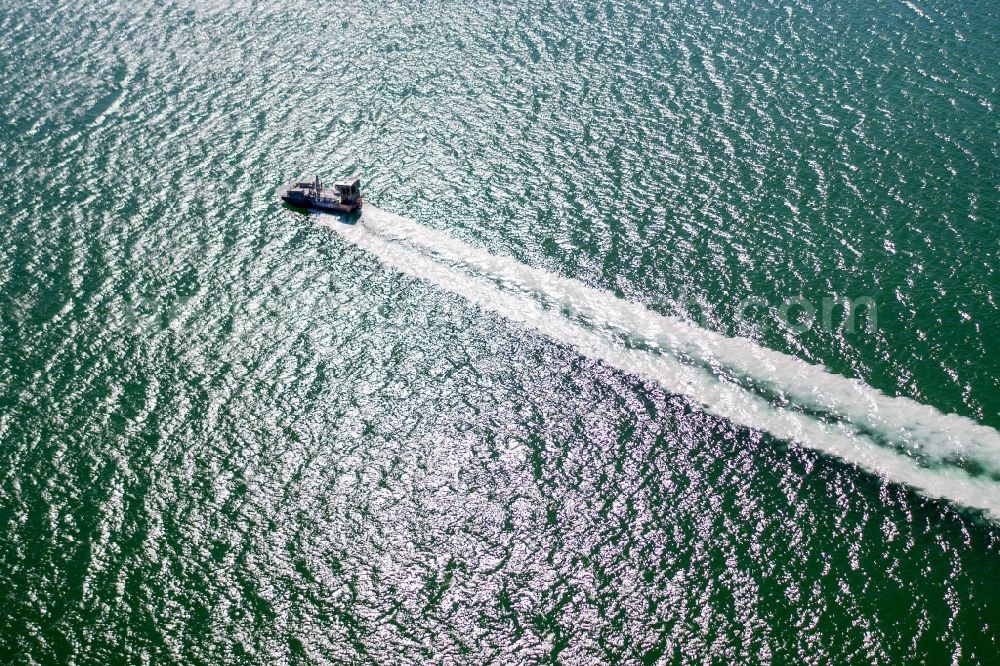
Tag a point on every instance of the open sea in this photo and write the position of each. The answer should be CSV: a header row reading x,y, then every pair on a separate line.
x,y
668,332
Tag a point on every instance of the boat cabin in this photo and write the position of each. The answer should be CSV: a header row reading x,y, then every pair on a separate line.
x,y
349,190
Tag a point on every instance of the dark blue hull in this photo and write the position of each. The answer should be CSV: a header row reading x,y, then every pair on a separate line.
x,y
326,206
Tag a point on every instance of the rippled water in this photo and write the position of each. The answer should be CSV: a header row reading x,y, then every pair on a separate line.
x,y
538,403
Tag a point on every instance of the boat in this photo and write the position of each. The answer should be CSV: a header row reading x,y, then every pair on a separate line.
x,y
343,197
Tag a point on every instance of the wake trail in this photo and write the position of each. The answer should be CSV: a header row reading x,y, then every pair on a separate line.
x,y
424,253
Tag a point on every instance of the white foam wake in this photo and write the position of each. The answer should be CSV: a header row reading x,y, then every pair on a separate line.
x,y
424,253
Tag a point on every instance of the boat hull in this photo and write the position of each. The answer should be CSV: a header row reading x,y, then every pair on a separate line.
x,y
325,206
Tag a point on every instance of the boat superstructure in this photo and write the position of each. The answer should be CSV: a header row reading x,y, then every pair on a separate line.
x,y
343,197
